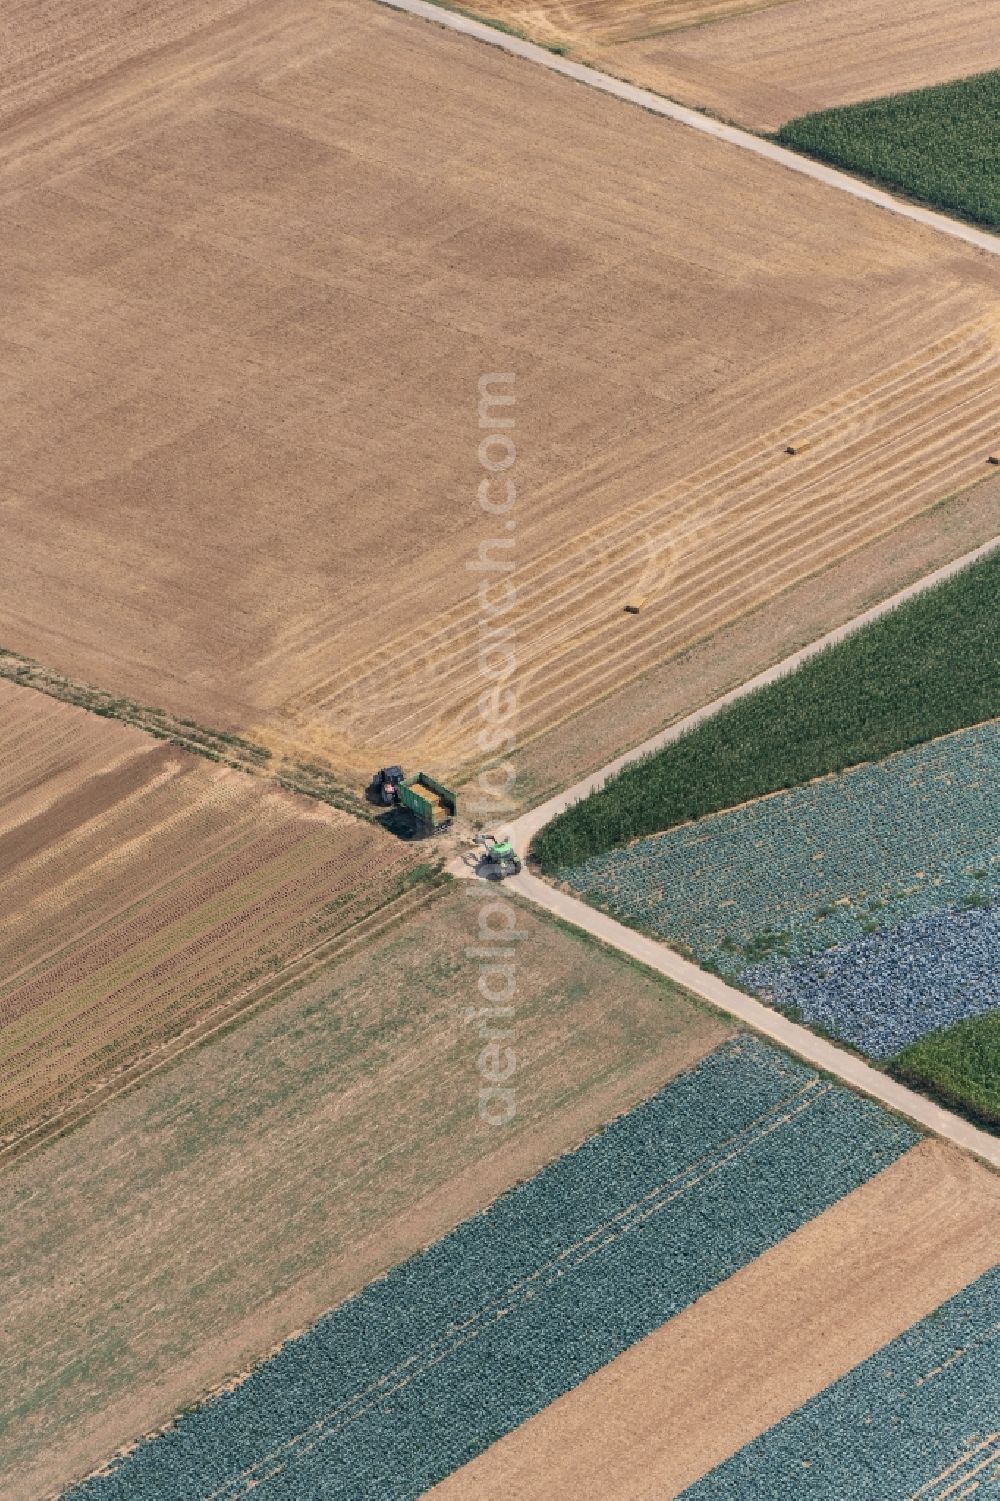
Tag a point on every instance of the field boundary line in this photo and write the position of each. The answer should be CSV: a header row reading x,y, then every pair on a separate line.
x,y
298,971
524,828
440,1346
655,955
658,104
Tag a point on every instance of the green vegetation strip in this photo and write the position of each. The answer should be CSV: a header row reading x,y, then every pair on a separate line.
x,y
959,1065
927,668
940,145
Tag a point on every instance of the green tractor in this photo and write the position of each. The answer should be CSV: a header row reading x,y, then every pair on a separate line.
x,y
499,857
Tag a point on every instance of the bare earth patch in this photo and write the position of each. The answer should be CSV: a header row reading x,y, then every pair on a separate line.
x,y
222,263
755,1348
272,1172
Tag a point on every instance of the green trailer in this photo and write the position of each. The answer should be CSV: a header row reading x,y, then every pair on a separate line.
x,y
431,804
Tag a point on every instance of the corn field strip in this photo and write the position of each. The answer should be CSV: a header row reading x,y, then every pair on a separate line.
x,y
524,828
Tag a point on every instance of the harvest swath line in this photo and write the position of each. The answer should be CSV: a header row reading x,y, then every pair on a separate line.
x,y
952,353
299,970
149,896
712,546
783,1113
46,1029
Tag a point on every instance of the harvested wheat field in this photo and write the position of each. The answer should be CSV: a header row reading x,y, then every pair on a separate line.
x,y
147,896
757,1346
51,49
281,1166
762,64
593,27
763,69
267,300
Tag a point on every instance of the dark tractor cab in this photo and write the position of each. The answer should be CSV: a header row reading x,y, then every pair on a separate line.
x,y
385,785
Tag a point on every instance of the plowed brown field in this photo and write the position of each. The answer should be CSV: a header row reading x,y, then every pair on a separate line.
x,y
147,895
265,300
757,1346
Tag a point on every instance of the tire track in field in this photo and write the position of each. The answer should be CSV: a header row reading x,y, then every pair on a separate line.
x,y
703,551
623,1222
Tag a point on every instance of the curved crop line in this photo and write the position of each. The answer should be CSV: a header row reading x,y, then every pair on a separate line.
x,y
624,1221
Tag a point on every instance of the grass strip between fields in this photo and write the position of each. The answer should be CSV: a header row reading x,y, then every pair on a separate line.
x,y
222,746
940,145
923,670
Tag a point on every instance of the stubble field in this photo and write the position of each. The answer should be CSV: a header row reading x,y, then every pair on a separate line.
x,y
763,69
278,1168
220,260
148,895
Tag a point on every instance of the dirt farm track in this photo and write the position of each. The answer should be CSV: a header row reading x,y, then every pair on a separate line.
x,y
219,258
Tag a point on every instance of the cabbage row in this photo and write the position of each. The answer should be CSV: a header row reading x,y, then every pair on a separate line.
x,y
459,1345
805,870
920,1418
885,991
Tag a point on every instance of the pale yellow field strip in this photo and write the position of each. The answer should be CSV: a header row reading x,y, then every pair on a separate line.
x,y
756,1347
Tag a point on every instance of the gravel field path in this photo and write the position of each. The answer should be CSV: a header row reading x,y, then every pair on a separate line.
x,y
658,956
657,105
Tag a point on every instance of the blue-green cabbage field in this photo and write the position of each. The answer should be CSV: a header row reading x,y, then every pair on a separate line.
x,y
427,1367
919,1421
865,902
